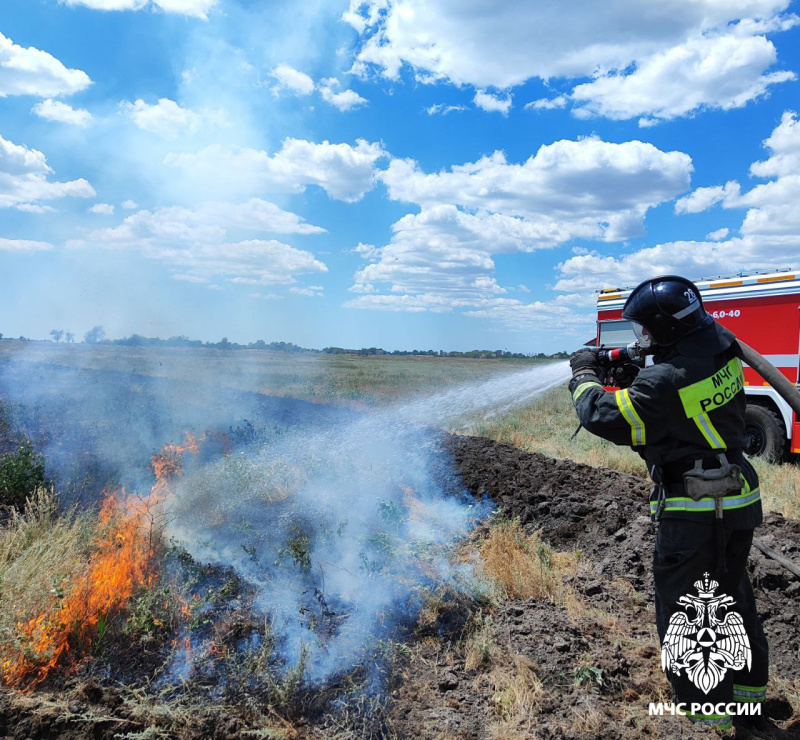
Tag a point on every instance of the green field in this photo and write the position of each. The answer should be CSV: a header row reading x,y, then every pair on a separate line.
x,y
322,378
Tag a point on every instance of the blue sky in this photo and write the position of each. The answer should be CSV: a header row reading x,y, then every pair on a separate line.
x,y
400,173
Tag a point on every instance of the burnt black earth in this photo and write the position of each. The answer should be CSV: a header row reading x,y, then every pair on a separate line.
x,y
597,670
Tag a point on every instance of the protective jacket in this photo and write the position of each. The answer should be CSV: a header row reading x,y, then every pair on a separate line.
x,y
681,409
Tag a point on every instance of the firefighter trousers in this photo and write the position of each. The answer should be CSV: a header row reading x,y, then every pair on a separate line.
x,y
685,551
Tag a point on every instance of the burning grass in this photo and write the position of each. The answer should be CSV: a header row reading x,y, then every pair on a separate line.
x,y
41,554
65,579
62,588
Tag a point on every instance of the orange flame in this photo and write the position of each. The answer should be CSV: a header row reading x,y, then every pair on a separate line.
x,y
122,561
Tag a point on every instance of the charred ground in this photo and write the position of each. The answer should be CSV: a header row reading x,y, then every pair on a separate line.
x,y
583,664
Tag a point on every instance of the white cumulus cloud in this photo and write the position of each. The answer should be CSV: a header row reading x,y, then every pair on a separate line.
x,y
23,245
102,209
31,71
654,60
702,199
288,78
24,178
167,119
34,208
309,290
345,172
719,234
192,8
589,188
492,103
770,230
345,100
723,72
443,109
559,101
442,258
784,145
198,241
55,110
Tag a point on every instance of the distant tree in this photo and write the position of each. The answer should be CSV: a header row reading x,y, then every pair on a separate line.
x,y
1,335
57,334
69,337
223,343
95,335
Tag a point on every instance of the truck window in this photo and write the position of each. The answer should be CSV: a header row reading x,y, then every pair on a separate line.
x,y
616,333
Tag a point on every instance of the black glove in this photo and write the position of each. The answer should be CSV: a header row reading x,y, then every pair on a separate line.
x,y
584,362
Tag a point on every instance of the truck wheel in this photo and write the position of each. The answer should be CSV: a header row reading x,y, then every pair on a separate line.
x,y
764,434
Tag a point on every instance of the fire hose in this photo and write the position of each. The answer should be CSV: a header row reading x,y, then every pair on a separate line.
x,y
789,393
785,388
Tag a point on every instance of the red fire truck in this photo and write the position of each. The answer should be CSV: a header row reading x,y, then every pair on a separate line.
x,y
763,310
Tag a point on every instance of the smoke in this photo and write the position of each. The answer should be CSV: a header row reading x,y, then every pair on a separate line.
x,y
340,523
341,530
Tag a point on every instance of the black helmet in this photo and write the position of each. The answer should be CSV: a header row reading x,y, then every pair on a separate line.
x,y
669,308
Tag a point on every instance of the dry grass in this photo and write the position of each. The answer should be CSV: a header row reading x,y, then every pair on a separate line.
x,y
480,647
586,722
41,553
517,691
780,487
522,566
546,426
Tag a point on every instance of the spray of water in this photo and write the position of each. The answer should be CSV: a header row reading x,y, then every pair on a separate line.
x,y
342,529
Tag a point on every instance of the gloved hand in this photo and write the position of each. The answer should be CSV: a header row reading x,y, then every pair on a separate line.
x,y
584,362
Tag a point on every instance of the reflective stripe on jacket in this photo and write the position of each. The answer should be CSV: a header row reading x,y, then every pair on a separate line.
x,y
679,410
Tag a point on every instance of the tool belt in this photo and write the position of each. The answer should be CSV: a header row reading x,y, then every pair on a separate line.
x,y
700,483
715,483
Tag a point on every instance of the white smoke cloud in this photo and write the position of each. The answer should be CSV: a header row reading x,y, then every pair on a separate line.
x,y
338,528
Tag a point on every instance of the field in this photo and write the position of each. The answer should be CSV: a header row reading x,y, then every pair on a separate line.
x,y
303,563
320,378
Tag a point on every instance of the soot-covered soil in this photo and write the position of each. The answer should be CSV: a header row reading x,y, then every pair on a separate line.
x,y
587,667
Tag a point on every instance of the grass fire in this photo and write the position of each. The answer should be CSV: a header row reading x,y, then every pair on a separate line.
x,y
297,570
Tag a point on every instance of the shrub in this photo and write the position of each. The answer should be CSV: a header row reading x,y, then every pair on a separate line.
x,y
21,473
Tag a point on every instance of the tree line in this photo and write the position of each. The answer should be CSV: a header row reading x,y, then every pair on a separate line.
x,y
97,335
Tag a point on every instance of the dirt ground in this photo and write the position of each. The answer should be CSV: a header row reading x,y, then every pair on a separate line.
x,y
585,668
603,514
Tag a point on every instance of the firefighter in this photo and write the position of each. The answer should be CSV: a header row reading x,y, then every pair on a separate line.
x,y
684,415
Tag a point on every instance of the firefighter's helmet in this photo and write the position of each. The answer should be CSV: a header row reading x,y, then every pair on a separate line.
x,y
664,310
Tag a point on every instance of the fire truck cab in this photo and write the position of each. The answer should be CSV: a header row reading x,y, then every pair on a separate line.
x,y
763,310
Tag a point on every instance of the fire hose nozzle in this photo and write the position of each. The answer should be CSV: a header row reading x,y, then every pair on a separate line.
x,y
632,352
